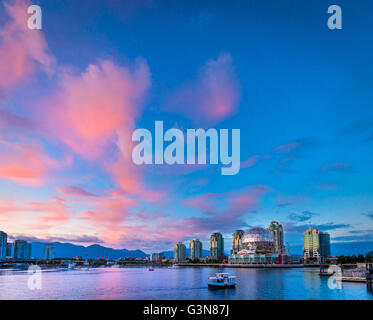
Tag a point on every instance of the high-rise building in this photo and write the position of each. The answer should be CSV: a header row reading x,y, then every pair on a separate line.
x,y
325,244
156,257
9,249
316,244
48,251
3,245
237,241
217,246
278,236
195,249
21,250
179,252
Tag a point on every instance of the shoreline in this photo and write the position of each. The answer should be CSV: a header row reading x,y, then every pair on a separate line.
x,y
220,265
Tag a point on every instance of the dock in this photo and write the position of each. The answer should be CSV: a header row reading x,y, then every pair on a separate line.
x,y
362,273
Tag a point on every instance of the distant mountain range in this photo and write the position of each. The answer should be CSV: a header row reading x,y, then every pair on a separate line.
x,y
66,250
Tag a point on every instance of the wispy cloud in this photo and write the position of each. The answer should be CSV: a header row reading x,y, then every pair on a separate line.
x,y
21,51
285,154
284,201
326,186
342,167
295,228
303,216
90,109
287,147
58,238
25,163
250,161
212,97
356,235
369,214
238,204
75,191
363,128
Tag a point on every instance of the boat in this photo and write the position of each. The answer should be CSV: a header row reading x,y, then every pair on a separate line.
x,y
85,265
174,266
151,269
222,280
71,266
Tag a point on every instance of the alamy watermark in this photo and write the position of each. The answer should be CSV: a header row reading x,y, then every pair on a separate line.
x,y
335,280
34,21
174,153
34,281
335,20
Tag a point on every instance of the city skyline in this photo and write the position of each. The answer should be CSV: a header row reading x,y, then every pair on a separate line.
x,y
205,243
299,92
217,248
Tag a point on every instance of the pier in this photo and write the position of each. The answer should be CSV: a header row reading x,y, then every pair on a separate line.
x,y
369,276
362,273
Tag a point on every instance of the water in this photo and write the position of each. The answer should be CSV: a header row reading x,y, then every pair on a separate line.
x,y
182,283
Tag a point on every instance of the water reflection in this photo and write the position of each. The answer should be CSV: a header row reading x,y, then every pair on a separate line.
x,y
181,283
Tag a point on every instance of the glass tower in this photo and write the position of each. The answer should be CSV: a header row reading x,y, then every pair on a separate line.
x,y
22,250
195,249
179,252
217,246
237,241
278,236
48,251
3,245
316,244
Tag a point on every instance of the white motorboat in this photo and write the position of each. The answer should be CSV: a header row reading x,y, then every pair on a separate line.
x,y
222,280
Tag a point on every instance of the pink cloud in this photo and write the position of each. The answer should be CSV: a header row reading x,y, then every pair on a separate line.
x,y
36,216
21,49
285,148
71,238
237,205
114,222
109,217
56,210
212,97
88,109
15,123
128,177
201,202
249,162
24,163
75,191
94,114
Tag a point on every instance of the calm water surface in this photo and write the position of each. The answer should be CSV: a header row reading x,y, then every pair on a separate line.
x,y
182,283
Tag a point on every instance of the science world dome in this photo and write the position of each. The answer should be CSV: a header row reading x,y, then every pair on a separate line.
x,y
258,240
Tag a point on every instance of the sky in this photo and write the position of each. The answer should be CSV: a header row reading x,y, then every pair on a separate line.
x,y
72,94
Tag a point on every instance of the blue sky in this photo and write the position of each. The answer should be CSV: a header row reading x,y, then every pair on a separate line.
x,y
301,95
